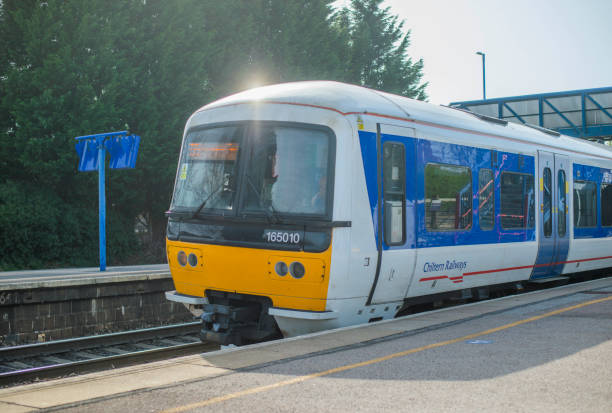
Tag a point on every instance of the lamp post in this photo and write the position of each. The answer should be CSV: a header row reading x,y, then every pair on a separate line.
x,y
484,87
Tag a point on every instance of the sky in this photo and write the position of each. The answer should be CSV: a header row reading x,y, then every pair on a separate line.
x,y
531,46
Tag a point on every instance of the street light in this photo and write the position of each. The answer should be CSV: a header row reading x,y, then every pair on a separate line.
x,y
484,88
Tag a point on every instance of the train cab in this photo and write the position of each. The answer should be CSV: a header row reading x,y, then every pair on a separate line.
x,y
252,220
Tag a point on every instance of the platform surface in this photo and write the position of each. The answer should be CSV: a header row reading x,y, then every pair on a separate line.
x,y
545,351
10,280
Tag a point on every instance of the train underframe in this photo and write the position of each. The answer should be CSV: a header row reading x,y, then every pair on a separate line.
x,y
231,318
239,319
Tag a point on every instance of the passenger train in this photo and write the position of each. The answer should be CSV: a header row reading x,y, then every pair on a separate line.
x,y
308,206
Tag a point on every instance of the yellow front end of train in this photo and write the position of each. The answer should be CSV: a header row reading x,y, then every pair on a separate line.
x,y
251,271
249,228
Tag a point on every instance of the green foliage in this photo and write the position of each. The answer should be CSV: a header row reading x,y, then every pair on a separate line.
x,y
80,67
257,42
378,50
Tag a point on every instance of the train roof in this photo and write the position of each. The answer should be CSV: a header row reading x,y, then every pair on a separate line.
x,y
348,99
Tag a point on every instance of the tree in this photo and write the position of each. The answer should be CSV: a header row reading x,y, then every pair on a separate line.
x,y
260,42
74,68
378,50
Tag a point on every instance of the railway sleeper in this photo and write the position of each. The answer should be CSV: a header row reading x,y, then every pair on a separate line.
x,y
231,318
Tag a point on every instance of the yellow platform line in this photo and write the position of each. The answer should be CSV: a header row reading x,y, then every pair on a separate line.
x,y
301,379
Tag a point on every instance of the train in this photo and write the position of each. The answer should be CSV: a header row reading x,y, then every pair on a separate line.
x,y
308,206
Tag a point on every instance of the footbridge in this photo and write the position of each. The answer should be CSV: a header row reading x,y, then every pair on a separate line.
x,y
579,113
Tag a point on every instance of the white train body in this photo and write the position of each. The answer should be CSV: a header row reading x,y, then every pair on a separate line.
x,y
422,200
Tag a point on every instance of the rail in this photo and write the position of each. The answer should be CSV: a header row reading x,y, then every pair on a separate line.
x,y
79,355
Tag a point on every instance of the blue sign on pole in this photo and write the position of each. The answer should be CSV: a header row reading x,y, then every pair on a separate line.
x,y
92,149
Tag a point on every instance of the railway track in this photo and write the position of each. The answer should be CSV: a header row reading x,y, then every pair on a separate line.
x,y
79,355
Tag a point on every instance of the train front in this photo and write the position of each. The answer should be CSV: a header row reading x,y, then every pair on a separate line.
x,y
250,225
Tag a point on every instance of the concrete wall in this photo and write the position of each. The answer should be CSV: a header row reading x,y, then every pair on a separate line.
x,y
51,313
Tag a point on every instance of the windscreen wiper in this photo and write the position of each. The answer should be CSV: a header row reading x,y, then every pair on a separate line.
x,y
270,212
199,208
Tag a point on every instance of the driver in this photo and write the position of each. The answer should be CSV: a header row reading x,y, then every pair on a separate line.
x,y
318,201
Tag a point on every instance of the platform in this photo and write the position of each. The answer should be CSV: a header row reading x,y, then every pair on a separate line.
x,y
12,280
549,350
57,304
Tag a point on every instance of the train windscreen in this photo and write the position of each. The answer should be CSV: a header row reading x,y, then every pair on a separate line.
x,y
269,168
208,169
287,170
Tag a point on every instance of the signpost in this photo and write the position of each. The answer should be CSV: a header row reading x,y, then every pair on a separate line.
x,y
92,149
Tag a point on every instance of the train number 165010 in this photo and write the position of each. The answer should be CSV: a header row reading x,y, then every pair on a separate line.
x,y
282,237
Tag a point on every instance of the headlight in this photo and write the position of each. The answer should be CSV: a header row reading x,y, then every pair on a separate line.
x,y
297,270
281,268
193,259
182,258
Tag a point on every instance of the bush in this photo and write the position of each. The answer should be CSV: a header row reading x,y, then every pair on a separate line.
x,y
40,230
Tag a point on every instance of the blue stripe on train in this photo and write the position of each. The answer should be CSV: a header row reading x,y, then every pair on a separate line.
x,y
419,152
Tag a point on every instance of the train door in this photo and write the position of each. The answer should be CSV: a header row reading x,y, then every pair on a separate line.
x,y
561,213
395,217
553,240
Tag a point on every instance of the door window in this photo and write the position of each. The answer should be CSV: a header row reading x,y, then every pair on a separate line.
x,y
562,215
547,202
394,188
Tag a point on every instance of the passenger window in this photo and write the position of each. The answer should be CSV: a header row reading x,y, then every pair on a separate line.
x,y
562,216
448,197
394,188
585,204
517,201
606,205
486,199
547,202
